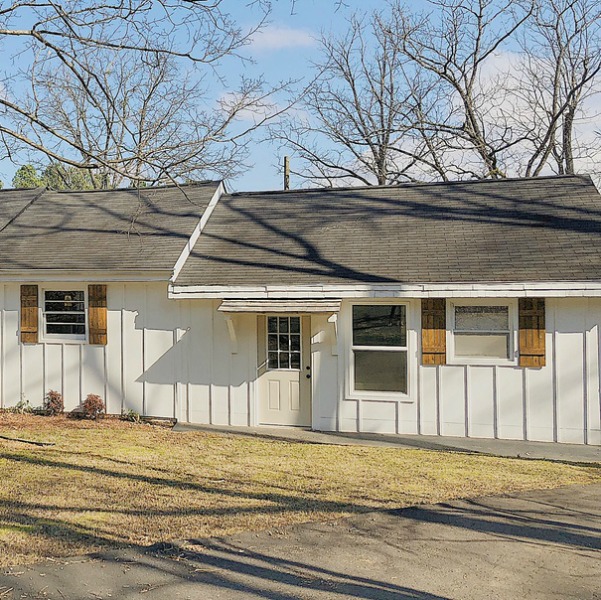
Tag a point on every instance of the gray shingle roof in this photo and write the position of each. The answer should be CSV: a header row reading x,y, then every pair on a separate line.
x,y
540,229
13,202
101,230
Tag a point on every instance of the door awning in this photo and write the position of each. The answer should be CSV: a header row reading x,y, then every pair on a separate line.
x,y
280,306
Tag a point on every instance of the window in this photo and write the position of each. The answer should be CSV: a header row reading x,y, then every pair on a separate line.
x,y
283,343
379,348
65,313
482,331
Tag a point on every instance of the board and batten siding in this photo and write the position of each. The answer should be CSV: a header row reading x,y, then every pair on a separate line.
x,y
178,358
558,402
163,358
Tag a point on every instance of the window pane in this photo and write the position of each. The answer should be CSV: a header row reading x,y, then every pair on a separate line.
x,y
295,360
272,362
272,342
64,295
494,345
66,329
284,360
284,343
272,324
283,324
65,318
64,306
381,325
380,371
295,324
295,342
482,318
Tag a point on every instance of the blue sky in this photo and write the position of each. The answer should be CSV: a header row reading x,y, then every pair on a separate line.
x,y
285,50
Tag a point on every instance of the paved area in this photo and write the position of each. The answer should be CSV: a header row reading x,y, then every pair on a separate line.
x,y
545,450
537,545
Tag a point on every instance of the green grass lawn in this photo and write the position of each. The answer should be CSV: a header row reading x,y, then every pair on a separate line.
x,y
111,483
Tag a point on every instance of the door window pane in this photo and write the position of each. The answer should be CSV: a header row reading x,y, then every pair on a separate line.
x,y
284,342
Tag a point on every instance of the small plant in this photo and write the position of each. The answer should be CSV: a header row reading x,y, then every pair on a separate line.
x,y
131,415
54,403
22,407
92,406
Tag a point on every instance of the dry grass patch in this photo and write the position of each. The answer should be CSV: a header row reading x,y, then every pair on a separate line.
x,y
111,483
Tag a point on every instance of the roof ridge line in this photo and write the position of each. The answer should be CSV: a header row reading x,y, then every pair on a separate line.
x,y
141,189
413,184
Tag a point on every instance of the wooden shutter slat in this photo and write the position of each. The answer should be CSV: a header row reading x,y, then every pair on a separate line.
x,y
97,315
434,331
532,332
29,314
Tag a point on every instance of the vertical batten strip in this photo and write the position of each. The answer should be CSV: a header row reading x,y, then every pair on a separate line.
x,y
526,404
466,398
495,401
438,407
585,381
555,375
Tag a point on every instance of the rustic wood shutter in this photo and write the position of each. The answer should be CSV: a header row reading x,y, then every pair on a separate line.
x,y
532,332
29,314
434,331
97,314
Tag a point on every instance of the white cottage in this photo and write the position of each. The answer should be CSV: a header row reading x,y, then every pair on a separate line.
x,y
465,309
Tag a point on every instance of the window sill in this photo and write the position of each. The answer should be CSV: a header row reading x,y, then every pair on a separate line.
x,y
48,339
482,362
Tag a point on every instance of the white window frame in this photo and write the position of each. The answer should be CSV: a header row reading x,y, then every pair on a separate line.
x,y
286,315
352,393
512,306
63,337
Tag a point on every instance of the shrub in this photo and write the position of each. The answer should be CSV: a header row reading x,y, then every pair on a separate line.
x,y
53,403
92,406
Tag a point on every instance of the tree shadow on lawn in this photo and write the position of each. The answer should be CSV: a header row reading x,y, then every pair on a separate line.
x,y
229,567
473,515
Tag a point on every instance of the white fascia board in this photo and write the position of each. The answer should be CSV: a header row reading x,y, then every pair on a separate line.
x,y
86,276
435,290
183,257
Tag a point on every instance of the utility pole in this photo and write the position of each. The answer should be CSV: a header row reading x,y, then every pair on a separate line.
x,y
286,173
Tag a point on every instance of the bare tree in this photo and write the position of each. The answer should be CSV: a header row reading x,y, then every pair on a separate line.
x,y
556,75
357,119
142,118
119,88
471,89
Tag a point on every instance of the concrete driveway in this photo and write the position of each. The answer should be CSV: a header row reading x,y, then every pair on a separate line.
x,y
534,545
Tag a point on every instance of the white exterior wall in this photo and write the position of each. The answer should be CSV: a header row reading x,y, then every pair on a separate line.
x,y
177,358
559,402
163,358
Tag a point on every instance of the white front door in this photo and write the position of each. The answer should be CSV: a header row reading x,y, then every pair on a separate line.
x,y
284,370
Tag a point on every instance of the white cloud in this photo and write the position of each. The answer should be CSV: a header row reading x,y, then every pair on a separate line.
x,y
279,37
